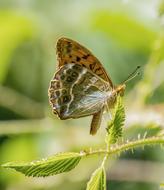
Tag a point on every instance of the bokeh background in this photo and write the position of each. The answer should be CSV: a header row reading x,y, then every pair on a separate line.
x,y
122,34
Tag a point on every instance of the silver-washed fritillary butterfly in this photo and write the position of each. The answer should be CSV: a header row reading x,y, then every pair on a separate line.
x,y
81,86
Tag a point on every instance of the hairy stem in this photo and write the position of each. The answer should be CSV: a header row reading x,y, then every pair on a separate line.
x,y
129,145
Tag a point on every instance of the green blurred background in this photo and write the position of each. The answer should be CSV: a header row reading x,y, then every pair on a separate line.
x,y
122,34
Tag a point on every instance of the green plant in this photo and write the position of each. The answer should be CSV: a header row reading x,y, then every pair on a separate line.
x,y
64,162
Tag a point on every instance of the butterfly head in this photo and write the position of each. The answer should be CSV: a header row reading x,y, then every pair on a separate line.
x,y
120,89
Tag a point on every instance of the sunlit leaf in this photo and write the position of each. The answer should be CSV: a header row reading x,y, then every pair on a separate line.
x,y
98,180
59,163
115,126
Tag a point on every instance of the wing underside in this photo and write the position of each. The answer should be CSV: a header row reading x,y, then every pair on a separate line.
x,y
77,92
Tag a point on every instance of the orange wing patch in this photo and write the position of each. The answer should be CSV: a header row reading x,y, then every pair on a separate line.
x,y
69,51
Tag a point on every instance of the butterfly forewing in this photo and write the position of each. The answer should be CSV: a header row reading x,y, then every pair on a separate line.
x,y
69,51
75,92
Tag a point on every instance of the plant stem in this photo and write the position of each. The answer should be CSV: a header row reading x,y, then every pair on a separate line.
x,y
107,150
127,146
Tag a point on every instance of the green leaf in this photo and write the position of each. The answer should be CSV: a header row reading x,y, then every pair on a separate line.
x,y
115,126
98,180
59,163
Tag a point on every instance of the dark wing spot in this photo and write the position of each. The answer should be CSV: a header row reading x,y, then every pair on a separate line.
x,y
51,96
53,101
64,91
69,45
57,84
54,111
68,50
69,79
74,74
83,65
77,67
86,56
78,59
66,99
92,66
62,77
100,74
98,69
69,71
57,93
52,84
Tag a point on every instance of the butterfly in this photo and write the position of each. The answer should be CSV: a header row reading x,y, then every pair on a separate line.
x,y
81,87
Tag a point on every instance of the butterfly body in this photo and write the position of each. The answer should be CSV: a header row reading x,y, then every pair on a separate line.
x,y
80,87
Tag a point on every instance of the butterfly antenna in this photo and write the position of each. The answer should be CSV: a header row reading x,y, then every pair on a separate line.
x,y
132,75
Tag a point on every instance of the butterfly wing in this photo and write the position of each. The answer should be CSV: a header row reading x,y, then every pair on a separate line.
x,y
76,92
69,51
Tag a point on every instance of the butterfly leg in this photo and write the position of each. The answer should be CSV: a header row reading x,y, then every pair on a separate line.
x,y
96,122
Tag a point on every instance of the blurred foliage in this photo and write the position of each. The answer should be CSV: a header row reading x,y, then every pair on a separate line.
x,y
161,8
122,34
125,31
15,29
153,75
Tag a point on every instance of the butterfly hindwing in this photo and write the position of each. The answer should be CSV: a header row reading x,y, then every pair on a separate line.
x,y
76,92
